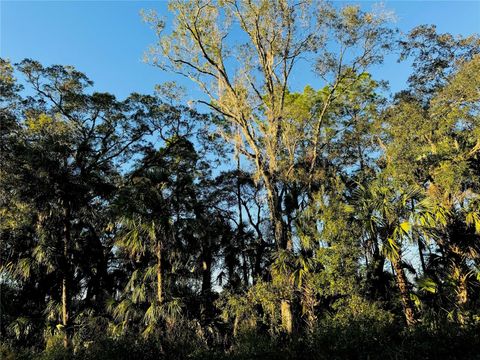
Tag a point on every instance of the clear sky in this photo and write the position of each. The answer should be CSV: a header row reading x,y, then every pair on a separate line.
x,y
107,39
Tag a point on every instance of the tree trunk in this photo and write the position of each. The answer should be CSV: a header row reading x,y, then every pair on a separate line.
x,y
235,325
287,318
458,275
65,312
420,254
65,276
286,309
308,304
283,243
404,293
206,273
257,268
241,233
462,296
375,273
260,246
207,281
275,207
159,273
244,268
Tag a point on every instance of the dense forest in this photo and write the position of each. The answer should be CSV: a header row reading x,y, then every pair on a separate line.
x,y
253,221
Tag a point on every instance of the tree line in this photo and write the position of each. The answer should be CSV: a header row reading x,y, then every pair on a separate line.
x,y
317,216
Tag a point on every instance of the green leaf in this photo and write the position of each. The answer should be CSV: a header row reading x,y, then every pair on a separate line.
x,y
406,226
427,285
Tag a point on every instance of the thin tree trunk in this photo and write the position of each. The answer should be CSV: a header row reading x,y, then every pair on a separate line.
x,y
404,293
159,273
257,269
65,311
462,291
419,243
458,275
257,261
462,296
286,309
420,254
284,244
235,325
240,225
207,281
206,272
65,276
244,268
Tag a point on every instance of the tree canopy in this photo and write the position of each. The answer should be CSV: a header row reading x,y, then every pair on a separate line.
x,y
257,221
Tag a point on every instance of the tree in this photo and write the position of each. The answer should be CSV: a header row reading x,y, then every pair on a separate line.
x,y
66,149
386,214
435,57
252,94
432,143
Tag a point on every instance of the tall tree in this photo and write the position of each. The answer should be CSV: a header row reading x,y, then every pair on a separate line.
x,y
251,95
432,143
67,147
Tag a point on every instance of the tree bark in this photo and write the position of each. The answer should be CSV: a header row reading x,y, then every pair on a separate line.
x,y
404,292
274,204
241,233
207,259
420,254
235,325
159,273
287,318
260,246
375,273
257,268
65,276
206,272
283,243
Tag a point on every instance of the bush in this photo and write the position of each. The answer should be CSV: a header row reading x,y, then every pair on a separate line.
x,y
364,332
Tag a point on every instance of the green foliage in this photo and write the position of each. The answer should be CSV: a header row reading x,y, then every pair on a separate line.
x,y
348,226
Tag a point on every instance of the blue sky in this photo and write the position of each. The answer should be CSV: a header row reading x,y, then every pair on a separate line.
x,y
107,39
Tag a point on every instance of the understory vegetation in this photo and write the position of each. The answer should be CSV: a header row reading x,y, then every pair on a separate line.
x,y
259,221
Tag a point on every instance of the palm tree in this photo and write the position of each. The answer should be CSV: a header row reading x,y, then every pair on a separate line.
x,y
385,214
